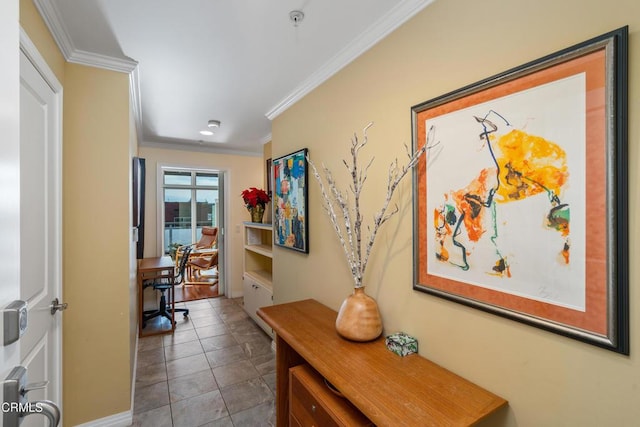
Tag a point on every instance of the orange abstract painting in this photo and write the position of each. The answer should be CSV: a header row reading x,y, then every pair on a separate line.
x,y
513,211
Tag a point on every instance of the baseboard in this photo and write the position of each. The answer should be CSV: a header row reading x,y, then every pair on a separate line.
x,y
122,419
135,369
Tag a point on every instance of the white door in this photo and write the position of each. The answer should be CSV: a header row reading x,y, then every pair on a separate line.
x,y
40,227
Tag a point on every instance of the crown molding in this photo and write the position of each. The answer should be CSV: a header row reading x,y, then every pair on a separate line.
x,y
58,30
52,18
265,139
136,100
122,65
184,145
400,14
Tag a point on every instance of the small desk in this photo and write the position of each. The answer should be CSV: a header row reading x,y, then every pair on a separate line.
x,y
150,268
390,390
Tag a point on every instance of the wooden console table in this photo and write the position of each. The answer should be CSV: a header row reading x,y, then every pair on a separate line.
x,y
390,390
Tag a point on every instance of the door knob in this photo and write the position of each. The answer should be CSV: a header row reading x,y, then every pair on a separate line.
x,y
57,305
46,408
15,405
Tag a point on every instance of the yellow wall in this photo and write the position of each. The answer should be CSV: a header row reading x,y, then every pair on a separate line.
x,y
242,172
548,379
32,23
96,222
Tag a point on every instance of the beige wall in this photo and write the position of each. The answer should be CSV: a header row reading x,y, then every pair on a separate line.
x,y
96,221
548,379
32,23
241,172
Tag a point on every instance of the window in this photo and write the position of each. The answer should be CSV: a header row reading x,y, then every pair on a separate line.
x,y
190,202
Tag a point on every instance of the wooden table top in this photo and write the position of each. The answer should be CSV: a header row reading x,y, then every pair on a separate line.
x,y
156,263
389,389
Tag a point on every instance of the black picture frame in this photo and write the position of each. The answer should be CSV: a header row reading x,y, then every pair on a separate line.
x,y
269,177
589,161
290,201
138,195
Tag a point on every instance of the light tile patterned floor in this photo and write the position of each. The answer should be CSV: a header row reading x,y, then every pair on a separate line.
x,y
217,369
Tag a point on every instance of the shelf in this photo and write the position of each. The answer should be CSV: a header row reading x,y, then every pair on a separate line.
x,y
261,276
257,266
260,249
259,225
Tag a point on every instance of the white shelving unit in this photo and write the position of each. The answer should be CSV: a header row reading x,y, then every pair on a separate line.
x,y
257,282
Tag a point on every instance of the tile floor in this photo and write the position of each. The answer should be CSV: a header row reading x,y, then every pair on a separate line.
x,y
217,369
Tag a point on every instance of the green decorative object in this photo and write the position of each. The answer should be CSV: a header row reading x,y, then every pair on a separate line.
x,y
402,344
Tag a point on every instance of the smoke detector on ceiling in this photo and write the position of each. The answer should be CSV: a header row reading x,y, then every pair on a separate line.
x,y
296,17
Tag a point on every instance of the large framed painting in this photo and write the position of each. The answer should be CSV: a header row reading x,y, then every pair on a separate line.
x,y
290,201
520,206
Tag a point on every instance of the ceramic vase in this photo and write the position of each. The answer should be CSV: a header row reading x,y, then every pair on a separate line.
x,y
359,318
257,213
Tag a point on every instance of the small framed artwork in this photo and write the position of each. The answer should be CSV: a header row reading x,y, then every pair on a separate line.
x,y
520,206
290,197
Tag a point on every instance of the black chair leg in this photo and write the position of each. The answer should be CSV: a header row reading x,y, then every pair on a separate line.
x,y
163,310
148,315
184,311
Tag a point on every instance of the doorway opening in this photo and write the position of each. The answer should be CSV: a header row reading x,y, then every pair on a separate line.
x,y
190,207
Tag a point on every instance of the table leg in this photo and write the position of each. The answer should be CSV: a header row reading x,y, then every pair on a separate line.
x,y
286,357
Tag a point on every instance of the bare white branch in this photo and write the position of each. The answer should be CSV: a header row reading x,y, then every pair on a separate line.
x,y
328,206
352,217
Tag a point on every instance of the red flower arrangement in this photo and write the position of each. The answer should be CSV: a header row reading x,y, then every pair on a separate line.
x,y
254,197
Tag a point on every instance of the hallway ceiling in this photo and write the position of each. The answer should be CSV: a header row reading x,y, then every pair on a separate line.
x,y
241,62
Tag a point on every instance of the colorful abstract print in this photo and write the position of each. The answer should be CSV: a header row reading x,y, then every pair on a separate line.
x,y
289,201
524,165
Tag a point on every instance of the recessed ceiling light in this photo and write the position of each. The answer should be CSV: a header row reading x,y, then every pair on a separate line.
x,y
206,132
214,123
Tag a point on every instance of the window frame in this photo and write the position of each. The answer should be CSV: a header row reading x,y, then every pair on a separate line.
x,y
193,187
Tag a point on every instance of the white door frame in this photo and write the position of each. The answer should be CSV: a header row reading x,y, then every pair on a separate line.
x,y
38,61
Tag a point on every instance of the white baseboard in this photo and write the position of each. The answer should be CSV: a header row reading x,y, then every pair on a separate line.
x,y
122,419
135,369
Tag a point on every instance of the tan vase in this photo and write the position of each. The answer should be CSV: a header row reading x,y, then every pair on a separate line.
x,y
257,213
359,318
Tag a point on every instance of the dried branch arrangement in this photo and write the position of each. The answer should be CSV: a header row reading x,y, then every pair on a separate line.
x,y
336,203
